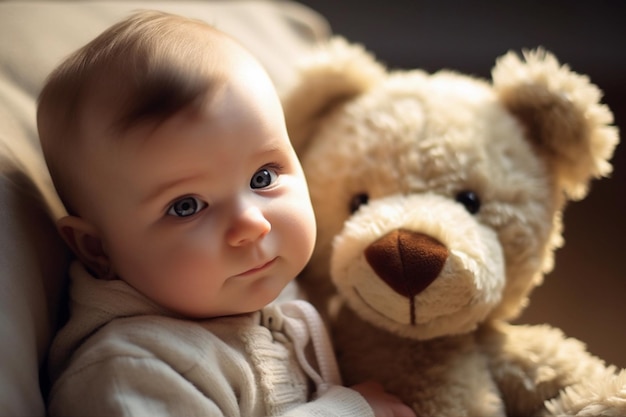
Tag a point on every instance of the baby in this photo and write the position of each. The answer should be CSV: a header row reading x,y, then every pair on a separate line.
x,y
190,215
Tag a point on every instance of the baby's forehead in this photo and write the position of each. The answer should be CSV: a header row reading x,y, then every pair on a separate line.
x,y
168,84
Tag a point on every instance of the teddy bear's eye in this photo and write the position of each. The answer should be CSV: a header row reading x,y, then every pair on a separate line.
x,y
357,201
470,201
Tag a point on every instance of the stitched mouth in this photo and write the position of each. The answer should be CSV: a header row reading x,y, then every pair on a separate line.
x,y
412,307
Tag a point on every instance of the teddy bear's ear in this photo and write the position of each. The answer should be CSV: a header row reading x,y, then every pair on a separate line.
x,y
336,71
562,115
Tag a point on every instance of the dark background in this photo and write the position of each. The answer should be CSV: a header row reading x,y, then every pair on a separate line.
x,y
585,294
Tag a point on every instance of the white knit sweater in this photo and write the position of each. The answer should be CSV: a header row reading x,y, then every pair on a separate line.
x,y
120,354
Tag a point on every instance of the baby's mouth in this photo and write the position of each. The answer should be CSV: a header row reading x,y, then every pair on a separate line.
x,y
256,269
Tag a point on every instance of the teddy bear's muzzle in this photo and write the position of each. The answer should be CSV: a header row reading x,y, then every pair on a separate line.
x,y
407,261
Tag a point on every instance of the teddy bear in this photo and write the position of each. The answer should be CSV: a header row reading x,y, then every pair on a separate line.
x,y
439,200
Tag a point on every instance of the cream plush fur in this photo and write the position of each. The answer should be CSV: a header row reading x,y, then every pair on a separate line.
x,y
439,200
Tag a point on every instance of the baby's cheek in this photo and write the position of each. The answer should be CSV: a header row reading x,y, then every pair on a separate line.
x,y
181,279
187,259
299,230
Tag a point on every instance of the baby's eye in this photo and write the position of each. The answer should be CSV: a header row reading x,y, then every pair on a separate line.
x,y
185,207
263,178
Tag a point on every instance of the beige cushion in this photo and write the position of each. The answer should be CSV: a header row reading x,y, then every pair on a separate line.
x,y
34,37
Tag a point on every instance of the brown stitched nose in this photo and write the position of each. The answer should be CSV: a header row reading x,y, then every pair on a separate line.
x,y
407,261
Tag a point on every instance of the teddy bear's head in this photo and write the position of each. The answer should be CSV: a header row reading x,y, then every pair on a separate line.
x,y
438,197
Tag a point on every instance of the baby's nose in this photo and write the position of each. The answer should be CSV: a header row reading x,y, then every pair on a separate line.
x,y
248,226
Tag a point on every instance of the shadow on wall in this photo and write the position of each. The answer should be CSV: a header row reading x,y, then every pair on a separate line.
x,y
585,294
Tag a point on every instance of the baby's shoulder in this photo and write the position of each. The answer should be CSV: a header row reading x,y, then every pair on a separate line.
x,y
164,339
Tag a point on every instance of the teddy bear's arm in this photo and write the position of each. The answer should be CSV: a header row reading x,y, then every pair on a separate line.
x,y
541,372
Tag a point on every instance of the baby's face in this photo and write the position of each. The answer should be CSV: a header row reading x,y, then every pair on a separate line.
x,y
209,213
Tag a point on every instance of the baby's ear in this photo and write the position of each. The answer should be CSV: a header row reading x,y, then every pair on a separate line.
x,y
84,240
